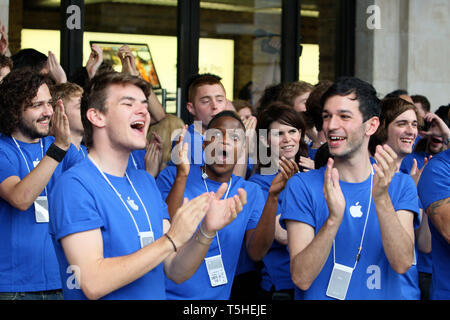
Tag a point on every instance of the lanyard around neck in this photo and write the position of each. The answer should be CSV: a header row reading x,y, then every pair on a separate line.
x,y
204,177
120,196
358,255
25,159
134,161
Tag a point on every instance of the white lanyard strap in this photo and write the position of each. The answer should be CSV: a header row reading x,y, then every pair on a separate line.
x,y
120,196
134,161
25,159
82,152
226,196
358,255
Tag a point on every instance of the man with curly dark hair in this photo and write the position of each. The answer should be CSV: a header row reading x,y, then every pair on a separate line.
x,y
30,162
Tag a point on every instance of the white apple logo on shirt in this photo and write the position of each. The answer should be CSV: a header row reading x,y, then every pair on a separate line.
x,y
133,205
355,211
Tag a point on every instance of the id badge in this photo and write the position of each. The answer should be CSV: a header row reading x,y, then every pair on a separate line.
x,y
339,281
146,238
41,209
216,271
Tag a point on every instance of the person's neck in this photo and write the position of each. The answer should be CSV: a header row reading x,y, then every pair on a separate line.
x,y
109,160
199,127
216,177
76,139
354,169
18,135
398,162
319,140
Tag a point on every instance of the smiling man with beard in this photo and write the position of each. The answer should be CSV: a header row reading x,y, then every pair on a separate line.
x,y
335,253
30,162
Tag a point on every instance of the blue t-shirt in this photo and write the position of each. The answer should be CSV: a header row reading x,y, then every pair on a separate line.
x,y
231,237
276,270
27,258
136,160
373,277
434,185
82,200
311,152
423,259
83,151
194,139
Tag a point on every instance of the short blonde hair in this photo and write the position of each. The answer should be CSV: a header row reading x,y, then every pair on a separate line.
x,y
65,91
164,129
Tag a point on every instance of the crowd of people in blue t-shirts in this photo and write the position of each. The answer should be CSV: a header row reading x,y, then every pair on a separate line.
x,y
308,192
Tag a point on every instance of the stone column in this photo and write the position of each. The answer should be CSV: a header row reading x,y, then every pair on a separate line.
x,y
407,49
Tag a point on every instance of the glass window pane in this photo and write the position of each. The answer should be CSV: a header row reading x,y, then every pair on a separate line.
x,y
254,28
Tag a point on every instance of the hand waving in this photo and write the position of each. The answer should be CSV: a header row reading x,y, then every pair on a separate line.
x,y
287,169
94,61
60,126
385,169
333,193
3,40
55,70
180,154
153,155
222,212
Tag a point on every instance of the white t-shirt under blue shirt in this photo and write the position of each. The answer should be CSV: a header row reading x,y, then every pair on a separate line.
x,y
82,200
373,277
198,287
434,185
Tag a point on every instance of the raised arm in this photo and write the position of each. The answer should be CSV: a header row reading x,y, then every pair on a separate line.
x,y
21,193
260,239
183,265
397,231
309,252
439,214
175,197
99,276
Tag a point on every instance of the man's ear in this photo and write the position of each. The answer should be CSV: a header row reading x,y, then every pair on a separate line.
x,y
96,117
372,125
191,109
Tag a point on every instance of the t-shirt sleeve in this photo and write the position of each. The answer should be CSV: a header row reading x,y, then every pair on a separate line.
x,y
154,188
165,180
434,183
72,157
7,168
72,209
257,206
296,203
404,196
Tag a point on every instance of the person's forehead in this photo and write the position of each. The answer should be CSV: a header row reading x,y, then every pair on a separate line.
x,y
117,91
408,115
280,126
339,103
5,69
209,90
43,92
225,123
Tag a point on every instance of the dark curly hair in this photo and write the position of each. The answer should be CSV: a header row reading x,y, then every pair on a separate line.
x,y
16,92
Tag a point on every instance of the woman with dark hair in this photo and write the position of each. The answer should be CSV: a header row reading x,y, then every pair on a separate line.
x,y
282,131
